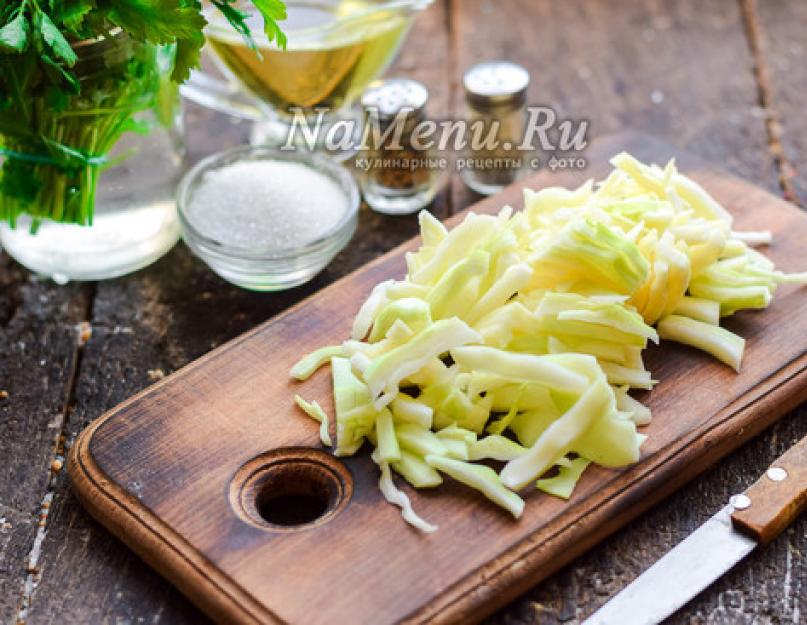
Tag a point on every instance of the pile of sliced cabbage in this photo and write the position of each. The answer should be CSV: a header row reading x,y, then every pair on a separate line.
x,y
516,338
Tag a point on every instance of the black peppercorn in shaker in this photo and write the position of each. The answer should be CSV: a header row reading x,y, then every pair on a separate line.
x,y
397,174
495,95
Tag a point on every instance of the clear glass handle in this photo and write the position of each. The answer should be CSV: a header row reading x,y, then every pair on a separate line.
x,y
222,95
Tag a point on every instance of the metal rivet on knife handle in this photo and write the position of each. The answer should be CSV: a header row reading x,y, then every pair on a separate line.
x,y
740,502
779,496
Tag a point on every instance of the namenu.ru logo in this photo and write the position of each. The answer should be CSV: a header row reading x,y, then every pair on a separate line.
x,y
542,131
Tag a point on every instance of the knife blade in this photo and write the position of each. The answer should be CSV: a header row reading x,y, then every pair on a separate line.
x,y
751,519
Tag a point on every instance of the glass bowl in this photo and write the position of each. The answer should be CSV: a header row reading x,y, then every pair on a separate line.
x,y
261,269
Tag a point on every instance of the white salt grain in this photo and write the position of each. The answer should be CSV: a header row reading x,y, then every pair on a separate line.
x,y
266,205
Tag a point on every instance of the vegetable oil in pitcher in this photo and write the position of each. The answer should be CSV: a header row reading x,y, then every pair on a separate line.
x,y
334,50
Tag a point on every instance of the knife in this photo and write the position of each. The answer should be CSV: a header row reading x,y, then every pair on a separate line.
x,y
751,519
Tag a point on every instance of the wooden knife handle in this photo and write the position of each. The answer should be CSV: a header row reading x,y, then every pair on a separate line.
x,y
777,498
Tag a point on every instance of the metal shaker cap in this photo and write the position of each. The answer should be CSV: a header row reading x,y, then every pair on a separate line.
x,y
385,98
496,83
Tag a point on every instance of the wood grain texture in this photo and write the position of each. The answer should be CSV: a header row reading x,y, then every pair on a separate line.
x,y
38,358
177,310
679,70
607,62
155,470
777,498
156,321
783,34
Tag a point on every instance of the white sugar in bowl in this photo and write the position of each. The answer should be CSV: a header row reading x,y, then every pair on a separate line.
x,y
266,219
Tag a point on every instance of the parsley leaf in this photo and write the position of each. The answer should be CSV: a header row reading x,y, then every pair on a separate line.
x,y
54,38
14,35
237,20
187,57
272,11
72,14
56,73
158,21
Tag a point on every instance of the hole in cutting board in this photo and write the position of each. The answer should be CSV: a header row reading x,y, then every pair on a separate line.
x,y
291,510
295,493
291,488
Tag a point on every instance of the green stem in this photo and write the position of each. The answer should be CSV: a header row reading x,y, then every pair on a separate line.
x,y
57,151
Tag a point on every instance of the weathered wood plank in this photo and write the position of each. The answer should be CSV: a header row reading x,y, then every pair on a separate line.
x,y
769,586
677,70
168,448
38,355
17,531
157,321
782,29
180,310
682,71
86,577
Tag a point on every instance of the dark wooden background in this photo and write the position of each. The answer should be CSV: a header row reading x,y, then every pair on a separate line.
x,y
725,79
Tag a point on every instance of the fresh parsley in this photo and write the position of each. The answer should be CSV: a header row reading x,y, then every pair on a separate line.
x,y
51,159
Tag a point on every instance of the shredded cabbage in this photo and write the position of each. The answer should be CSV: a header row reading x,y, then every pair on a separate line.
x,y
397,497
306,367
416,471
495,447
482,478
517,338
315,411
386,373
726,346
559,438
562,485
406,409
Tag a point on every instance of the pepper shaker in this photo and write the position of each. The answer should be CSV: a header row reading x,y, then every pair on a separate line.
x,y
495,96
396,175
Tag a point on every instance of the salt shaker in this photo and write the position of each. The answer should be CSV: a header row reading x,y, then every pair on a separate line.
x,y
495,95
396,175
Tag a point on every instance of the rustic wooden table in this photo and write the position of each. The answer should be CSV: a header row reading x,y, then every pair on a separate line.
x,y
723,78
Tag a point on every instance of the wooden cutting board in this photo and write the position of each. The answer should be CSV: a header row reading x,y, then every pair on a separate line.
x,y
183,471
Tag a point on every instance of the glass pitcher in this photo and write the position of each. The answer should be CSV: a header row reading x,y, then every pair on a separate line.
x,y
335,49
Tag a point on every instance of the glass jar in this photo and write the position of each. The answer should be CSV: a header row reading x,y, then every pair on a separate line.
x,y
87,188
